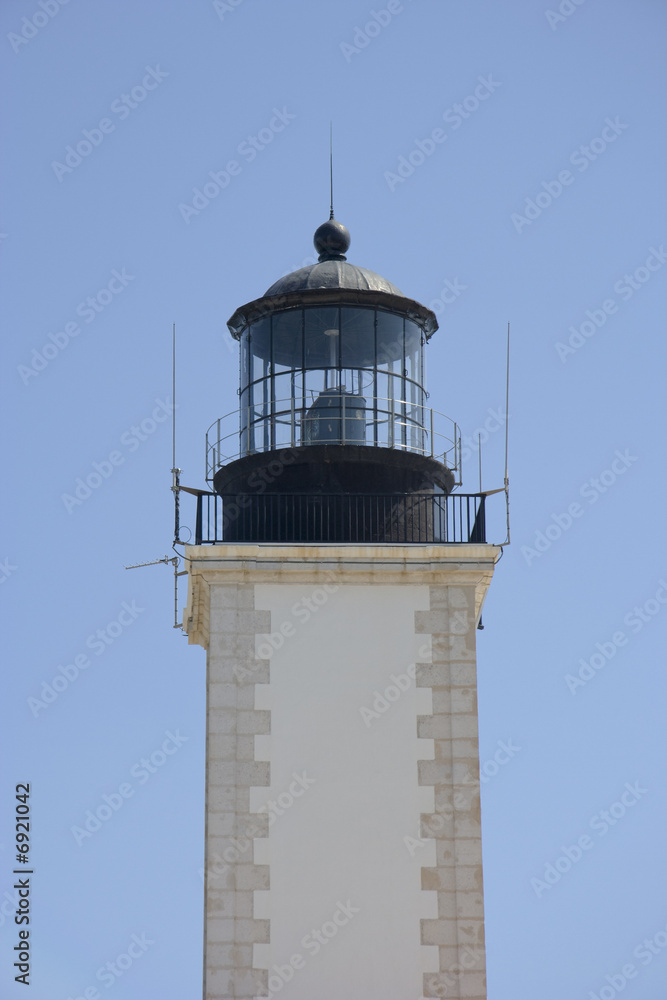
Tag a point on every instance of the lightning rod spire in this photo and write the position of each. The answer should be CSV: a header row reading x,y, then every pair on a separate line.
x,y
331,211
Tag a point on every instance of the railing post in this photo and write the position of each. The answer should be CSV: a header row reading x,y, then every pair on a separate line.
x,y
457,449
432,443
390,429
198,520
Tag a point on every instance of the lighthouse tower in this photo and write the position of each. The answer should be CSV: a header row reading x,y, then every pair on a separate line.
x,y
337,582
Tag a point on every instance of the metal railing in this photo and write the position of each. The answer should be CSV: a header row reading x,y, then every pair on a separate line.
x,y
371,421
354,518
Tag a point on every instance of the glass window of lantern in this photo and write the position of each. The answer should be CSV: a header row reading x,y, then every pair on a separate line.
x,y
413,350
283,389
288,340
245,359
382,383
322,337
244,419
357,335
260,349
315,381
389,341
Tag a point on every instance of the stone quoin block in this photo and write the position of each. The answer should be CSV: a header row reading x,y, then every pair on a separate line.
x,y
440,931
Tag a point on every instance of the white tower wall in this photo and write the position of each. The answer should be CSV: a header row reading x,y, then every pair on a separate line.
x,y
343,844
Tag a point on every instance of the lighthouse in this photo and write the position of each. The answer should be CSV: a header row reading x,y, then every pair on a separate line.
x,y
336,580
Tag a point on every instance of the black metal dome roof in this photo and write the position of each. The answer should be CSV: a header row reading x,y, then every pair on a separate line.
x,y
332,274
329,282
332,269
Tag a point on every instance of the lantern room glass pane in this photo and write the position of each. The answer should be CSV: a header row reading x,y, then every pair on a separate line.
x,y
287,340
382,385
246,367
313,385
322,337
357,334
260,340
396,386
244,421
389,341
413,347
283,385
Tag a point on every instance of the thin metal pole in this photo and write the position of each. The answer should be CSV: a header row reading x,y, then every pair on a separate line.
x,y
331,211
460,458
177,624
507,428
173,396
175,480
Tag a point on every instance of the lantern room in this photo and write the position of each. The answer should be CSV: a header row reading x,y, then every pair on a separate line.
x,y
333,429
333,355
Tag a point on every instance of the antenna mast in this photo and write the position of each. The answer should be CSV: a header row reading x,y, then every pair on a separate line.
x,y
331,211
507,431
175,473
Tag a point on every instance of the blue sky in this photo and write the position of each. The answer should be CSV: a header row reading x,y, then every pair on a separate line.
x,y
540,200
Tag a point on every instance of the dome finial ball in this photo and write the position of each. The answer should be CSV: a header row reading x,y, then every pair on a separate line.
x,y
331,240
